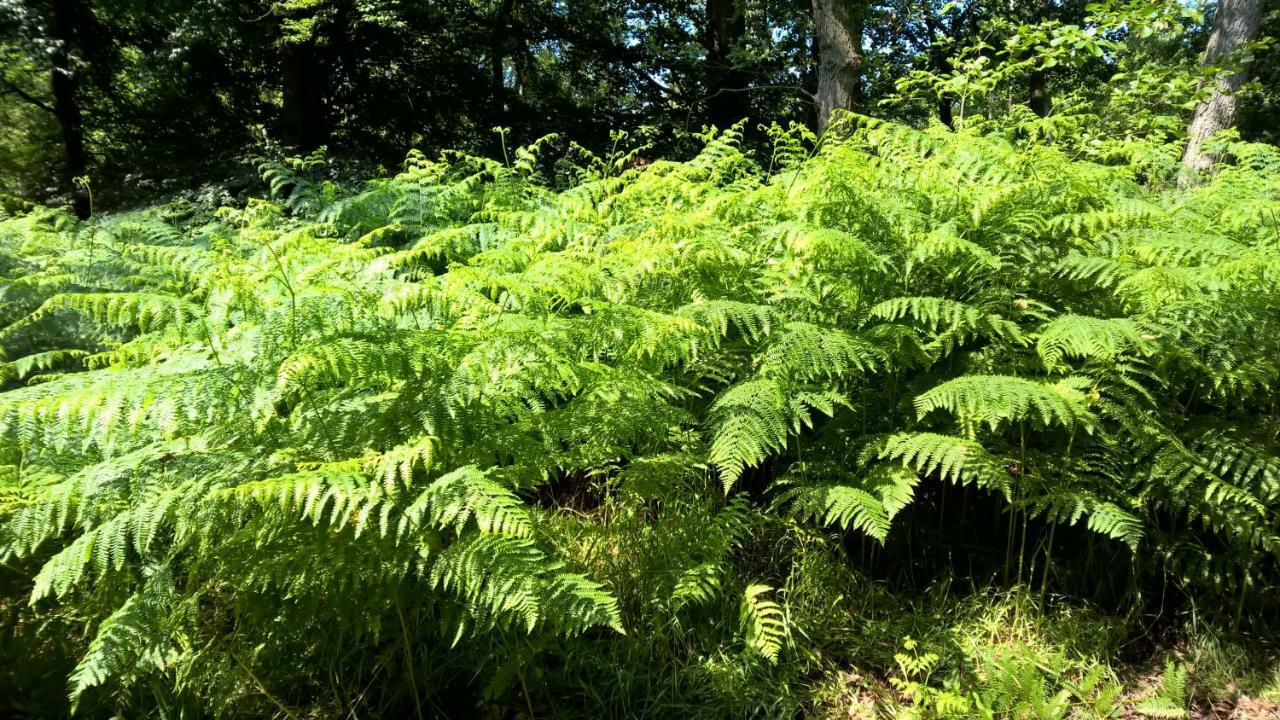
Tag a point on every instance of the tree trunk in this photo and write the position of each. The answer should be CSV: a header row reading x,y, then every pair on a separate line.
x,y
65,106
838,26
726,27
1235,23
940,63
499,29
1040,102
945,112
303,112
1037,85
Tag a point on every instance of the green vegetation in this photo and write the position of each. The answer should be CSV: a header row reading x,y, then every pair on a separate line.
x,y
645,443
944,385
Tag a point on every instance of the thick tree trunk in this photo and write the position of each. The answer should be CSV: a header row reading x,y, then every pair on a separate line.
x,y
939,63
65,105
1037,82
727,99
838,27
1039,92
946,101
1236,23
945,111
303,113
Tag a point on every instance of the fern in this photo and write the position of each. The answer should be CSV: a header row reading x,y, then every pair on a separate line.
x,y
806,353
764,624
956,317
134,635
867,506
464,495
751,422
1170,700
467,406
1074,336
953,459
992,400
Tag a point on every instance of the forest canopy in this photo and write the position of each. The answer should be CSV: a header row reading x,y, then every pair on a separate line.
x,y
747,358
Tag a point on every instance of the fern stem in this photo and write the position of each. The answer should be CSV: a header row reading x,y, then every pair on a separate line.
x,y
408,658
1048,563
1008,546
293,298
1022,496
524,688
258,682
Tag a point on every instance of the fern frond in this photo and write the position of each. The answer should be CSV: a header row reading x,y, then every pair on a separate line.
x,y
953,459
763,621
994,399
133,637
1170,700
467,494
1078,336
749,422
802,352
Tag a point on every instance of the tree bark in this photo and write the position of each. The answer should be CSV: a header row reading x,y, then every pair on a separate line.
x,y
1235,24
939,63
838,27
1037,81
499,29
1040,103
66,107
946,101
727,101
303,112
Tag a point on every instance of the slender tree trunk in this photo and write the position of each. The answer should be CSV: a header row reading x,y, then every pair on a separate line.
x,y
1235,23
838,26
1037,82
65,105
342,68
499,29
726,28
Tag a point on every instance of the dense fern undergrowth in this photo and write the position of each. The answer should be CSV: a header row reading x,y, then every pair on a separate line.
x,y
707,438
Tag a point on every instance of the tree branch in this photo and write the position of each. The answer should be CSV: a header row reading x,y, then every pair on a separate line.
x,y
13,89
798,88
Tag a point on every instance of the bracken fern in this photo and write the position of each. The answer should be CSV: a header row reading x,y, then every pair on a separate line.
x,y
228,436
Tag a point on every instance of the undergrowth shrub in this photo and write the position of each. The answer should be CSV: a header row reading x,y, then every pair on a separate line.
x,y
460,437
